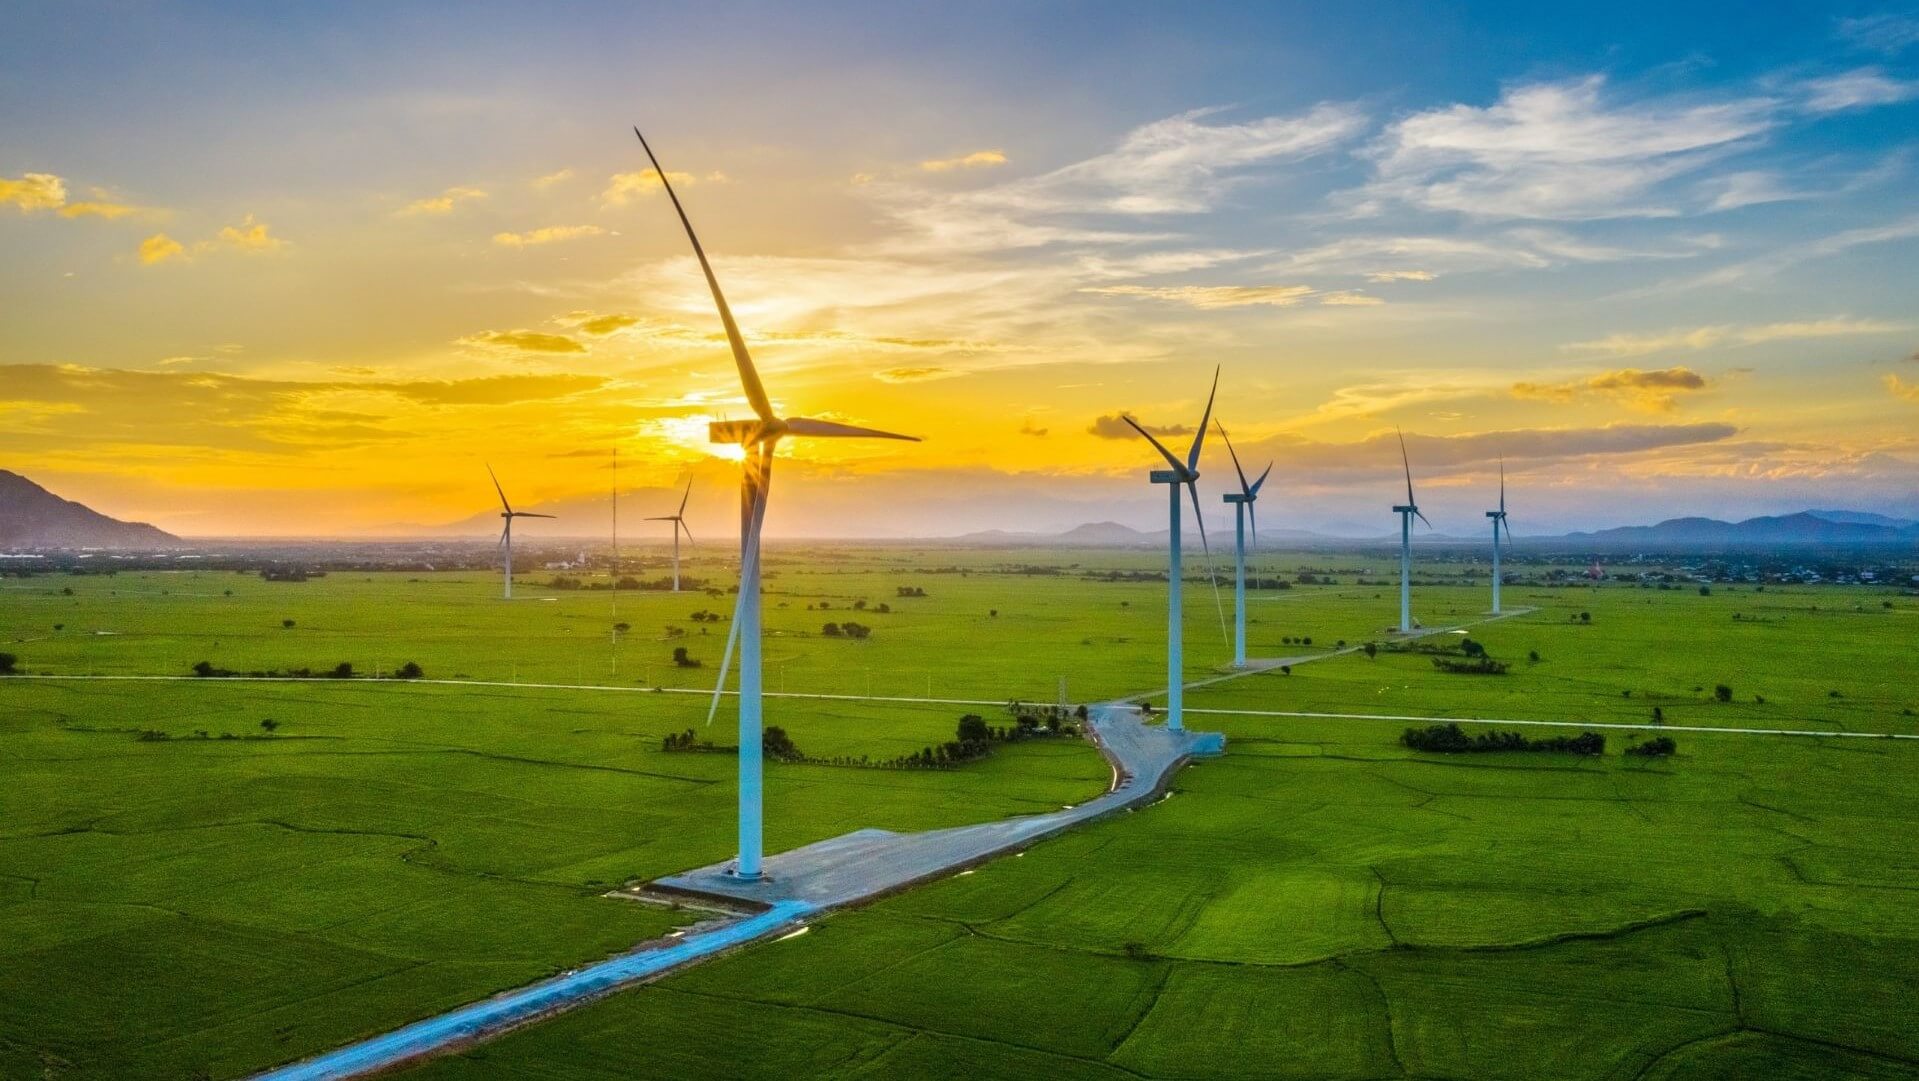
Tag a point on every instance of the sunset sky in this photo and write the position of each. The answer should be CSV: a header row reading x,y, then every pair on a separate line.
x,y
299,269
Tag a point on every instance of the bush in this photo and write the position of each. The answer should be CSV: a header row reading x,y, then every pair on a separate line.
x,y
7,664
972,729
775,744
1659,747
1704,591
1722,692
286,624
832,630
269,725
682,660
343,670
204,669
1451,739
409,670
1477,666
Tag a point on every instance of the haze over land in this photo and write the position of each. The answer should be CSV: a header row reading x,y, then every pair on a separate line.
x,y
1663,277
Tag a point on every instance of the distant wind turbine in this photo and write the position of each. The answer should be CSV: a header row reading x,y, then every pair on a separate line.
x,y
678,518
1499,529
1406,515
1242,502
506,535
757,437
1184,473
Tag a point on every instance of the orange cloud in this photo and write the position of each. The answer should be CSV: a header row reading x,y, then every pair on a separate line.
x,y
551,234
525,341
1654,391
161,248
33,191
978,159
443,203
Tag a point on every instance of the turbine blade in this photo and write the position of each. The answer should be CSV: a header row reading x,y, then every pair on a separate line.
x,y
1258,484
1421,517
661,518
497,488
1192,489
1157,445
1244,488
1407,462
504,534
1252,516
530,514
750,558
1502,486
749,376
687,496
683,529
828,429
1199,436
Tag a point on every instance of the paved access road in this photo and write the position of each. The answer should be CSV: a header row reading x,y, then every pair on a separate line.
x,y
798,884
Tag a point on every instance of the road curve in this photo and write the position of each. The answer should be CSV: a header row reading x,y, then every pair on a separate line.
x,y
799,884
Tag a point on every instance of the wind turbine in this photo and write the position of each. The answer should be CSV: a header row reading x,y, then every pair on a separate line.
x,y
506,535
678,518
1406,515
1242,502
1499,527
1182,473
756,438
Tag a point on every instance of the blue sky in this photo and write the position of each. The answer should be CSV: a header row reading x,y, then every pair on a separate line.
x,y
1659,257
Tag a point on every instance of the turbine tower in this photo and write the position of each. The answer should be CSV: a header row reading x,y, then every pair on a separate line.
x,y
678,518
1182,473
506,535
1499,528
1242,502
1406,515
756,438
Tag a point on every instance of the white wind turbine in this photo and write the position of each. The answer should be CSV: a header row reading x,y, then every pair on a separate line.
x,y
1242,502
678,518
1182,473
1406,515
1499,529
757,438
506,535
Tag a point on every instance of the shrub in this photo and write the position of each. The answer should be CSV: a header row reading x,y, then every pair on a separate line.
x,y
204,669
343,670
286,624
7,664
1658,715
1704,591
1451,739
1477,666
269,725
775,744
972,729
1722,692
1659,747
409,670
832,630
682,660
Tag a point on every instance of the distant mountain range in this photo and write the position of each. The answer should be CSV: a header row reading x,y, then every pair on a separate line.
x,y
1807,527
32,517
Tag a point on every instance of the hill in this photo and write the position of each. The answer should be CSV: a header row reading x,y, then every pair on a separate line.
x,y
32,517
1805,528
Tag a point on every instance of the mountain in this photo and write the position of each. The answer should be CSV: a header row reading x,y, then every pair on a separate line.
x,y
32,517
1859,517
1791,529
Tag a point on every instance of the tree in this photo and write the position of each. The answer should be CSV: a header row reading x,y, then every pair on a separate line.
x,y
269,725
286,624
992,613
409,670
1722,692
7,663
1658,715
1372,650
622,627
832,630
203,669
343,670
1585,617
682,660
774,743
972,730
1705,591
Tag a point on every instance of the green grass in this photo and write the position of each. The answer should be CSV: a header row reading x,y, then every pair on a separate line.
x,y
1319,903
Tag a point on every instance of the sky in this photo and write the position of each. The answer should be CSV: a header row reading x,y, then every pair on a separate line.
x,y
305,269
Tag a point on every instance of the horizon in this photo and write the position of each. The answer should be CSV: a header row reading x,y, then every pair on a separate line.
x,y
352,256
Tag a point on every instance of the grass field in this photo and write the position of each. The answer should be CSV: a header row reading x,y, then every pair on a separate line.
x,y
1332,905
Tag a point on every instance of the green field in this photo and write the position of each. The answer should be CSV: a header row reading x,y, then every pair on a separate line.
x,y
1318,903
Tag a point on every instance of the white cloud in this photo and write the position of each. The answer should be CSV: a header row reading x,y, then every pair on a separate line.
x,y
978,159
1695,338
1557,151
1860,89
1886,32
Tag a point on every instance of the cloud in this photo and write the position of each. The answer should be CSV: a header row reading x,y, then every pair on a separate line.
x,y
443,203
1213,297
491,390
590,323
1111,426
558,176
551,234
1654,391
1902,389
33,191
624,188
250,236
525,341
1377,455
1554,151
1858,89
1633,345
1886,32
1026,428
1351,299
1178,165
161,248
978,159
1401,276
915,375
